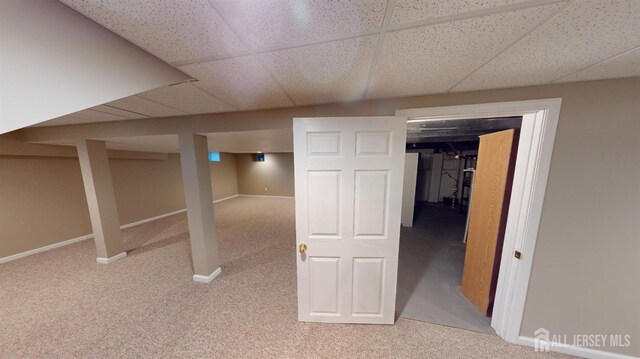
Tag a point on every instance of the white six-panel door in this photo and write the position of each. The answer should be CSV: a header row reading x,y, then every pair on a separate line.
x,y
348,180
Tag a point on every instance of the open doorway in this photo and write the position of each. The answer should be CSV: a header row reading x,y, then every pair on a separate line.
x,y
434,254
368,140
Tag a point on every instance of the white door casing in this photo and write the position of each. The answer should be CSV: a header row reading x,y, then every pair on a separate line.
x,y
348,182
537,134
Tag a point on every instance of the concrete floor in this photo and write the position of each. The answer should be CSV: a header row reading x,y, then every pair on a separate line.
x,y
430,271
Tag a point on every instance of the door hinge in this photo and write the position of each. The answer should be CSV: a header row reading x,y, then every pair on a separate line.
x,y
518,254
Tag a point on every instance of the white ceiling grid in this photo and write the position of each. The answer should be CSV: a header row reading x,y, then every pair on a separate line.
x,y
587,32
442,54
277,53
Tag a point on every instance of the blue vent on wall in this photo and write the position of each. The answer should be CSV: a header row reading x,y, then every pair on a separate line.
x,y
214,156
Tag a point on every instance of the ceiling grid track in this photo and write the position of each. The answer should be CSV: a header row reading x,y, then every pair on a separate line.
x,y
192,83
342,37
525,35
596,64
369,32
123,109
209,59
109,113
388,13
175,64
195,84
390,17
161,104
473,14
252,51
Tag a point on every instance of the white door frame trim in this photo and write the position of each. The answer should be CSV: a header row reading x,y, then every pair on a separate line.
x,y
537,135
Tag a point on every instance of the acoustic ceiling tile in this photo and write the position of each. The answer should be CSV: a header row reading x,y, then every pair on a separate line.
x,y
117,111
171,30
144,106
241,82
585,33
97,116
280,23
407,11
187,98
624,65
62,120
431,59
329,72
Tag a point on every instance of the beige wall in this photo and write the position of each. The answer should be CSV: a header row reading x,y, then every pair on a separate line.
x,y
146,189
224,181
42,202
584,277
42,199
273,177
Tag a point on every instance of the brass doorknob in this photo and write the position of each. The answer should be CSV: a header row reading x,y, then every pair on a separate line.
x,y
302,248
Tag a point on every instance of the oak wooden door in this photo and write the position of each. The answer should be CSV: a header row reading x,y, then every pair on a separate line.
x,y
487,217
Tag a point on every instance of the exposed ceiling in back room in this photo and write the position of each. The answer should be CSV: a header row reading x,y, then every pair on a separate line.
x,y
282,53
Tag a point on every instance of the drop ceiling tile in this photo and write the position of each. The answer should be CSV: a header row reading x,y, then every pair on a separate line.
x,y
62,120
585,33
171,30
241,82
117,111
625,65
97,116
431,59
329,72
144,106
187,98
279,23
410,10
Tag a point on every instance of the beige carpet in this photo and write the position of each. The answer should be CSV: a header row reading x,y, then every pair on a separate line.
x,y
63,304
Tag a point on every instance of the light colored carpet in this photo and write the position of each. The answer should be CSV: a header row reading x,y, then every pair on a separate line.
x,y
430,271
62,304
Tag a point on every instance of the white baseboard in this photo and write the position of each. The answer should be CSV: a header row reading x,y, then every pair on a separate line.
x,y
262,195
137,223
103,260
90,235
226,198
207,279
45,248
576,351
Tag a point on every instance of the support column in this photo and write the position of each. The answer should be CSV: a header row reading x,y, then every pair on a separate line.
x,y
101,199
199,198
